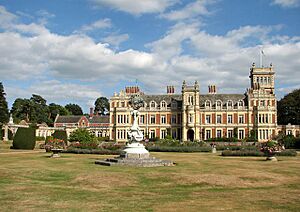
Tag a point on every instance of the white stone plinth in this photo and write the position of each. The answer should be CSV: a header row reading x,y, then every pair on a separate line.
x,y
136,150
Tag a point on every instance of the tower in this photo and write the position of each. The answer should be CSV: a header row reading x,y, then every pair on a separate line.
x,y
190,111
262,102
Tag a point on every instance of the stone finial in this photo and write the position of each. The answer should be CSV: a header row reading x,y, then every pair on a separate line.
x,y
253,65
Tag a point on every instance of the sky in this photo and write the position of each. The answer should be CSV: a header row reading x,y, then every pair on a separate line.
x,y
74,51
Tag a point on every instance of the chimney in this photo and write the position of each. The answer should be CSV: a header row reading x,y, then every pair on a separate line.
x,y
212,89
132,89
170,89
91,112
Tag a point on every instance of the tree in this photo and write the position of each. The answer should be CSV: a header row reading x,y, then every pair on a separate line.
x,y
55,109
40,110
288,108
21,109
101,106
74,109
4,113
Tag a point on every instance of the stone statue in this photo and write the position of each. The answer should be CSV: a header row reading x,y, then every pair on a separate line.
x,y
135,135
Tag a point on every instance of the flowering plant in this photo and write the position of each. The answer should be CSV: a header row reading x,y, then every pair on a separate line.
x,y
271,147
55,143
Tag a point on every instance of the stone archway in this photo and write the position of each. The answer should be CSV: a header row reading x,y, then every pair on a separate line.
x,y
190,135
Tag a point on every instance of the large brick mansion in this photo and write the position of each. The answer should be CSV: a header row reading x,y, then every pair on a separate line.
x,y
192,115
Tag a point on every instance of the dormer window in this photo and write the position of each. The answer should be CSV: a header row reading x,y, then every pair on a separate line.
x,y
240,103
207,104
174,104
163,104
229,104
219,104
152,104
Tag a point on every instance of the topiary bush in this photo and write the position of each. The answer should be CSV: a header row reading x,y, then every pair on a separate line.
x,y
61,134
24,138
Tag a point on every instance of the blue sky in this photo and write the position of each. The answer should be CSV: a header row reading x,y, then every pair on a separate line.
x,y
73,51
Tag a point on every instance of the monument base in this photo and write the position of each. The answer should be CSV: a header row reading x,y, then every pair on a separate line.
x,y
135,154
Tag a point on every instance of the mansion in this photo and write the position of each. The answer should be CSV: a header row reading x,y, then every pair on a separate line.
x,y
192,115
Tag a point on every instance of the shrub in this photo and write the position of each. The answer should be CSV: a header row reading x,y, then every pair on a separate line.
x,y
235,148
85,139
61,134
240,153
24,138
93,151
178,149
287,152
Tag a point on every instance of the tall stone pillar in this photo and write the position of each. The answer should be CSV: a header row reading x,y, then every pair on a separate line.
x,y
5,137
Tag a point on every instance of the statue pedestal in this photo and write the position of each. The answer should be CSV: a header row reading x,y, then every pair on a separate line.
x,y
135,150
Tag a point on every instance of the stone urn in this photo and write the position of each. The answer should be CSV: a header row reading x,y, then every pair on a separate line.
x,y
55,153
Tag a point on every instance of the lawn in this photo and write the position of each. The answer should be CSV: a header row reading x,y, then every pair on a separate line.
x,y
199,182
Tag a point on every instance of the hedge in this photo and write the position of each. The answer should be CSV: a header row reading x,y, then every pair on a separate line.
x,y
61,134
93,151
178,149
256,153
24,138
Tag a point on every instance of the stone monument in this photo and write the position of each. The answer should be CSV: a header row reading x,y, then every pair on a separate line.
x,y
135,153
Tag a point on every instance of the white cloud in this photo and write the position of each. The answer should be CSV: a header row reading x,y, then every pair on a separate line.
x,y
116,40
6,18
191,10
136,7
286,3
99,24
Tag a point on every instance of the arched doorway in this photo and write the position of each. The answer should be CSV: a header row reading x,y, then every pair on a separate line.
x,y
190,135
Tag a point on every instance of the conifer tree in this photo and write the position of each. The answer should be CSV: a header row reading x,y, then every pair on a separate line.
x,y
4,113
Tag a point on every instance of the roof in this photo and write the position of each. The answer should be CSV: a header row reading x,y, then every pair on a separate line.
x,y
99,120
203,97
68,119
223,97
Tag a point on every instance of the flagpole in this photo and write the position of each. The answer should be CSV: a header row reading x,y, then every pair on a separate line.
x,y
261,51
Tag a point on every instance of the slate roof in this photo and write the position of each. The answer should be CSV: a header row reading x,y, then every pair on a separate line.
x,y
223,97
99,120
203,97
159,98
68,119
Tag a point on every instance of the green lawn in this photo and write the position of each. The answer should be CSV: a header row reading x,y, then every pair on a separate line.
x,y
199,182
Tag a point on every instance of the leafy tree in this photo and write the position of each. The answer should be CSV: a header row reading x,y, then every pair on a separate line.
x,y
40,110
288,108
4,113
21,109
101,106
55,109
85,138
74,109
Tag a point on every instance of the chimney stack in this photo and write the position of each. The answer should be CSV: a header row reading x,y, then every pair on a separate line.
x,y
170,89
91,112
212,89
132,89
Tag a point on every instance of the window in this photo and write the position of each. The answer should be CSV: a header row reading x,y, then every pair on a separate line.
x,y
219,133
152,133
163,104
208,134
229,119
207,104
241,134
174,104
152,104
152,119
173,119
265,80
190,100
122,104
191,118
163,119
241,103
289,132
262,103
230,134
229,104
207,120
219,119
241,119
142,119
219,104
163,134
174,134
